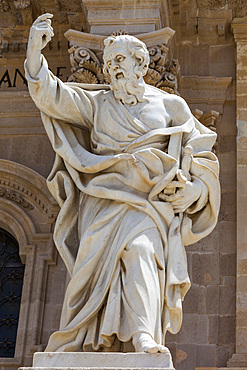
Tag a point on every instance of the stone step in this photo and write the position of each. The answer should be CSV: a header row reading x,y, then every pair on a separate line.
x,y
94,368
221,368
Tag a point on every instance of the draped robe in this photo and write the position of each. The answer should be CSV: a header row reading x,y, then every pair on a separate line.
x,y
109,169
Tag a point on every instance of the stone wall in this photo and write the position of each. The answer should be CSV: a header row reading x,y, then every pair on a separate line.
x,y
205,48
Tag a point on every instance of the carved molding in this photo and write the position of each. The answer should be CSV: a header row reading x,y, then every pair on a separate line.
x,y
21,4
27,211
15,197
162,72
86,67
87,64
208,119
205,90
12,195
4,6
27,188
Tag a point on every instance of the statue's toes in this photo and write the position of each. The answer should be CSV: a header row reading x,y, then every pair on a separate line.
x,y
163,349
152,349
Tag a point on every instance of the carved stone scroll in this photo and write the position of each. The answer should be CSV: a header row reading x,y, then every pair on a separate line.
x,y
208,119
162,72
86,67
13,196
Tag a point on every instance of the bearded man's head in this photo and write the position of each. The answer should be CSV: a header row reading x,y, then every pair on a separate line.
x,y
126,61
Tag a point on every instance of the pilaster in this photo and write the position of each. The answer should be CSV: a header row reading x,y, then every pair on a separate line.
x,y
239,27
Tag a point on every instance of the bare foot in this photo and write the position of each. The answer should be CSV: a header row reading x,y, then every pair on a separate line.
x,y
163,349
143,342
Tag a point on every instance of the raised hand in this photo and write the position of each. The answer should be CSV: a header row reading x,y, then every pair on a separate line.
x,y
41,32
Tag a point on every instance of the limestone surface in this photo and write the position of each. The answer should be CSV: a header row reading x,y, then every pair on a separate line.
x,y
102,360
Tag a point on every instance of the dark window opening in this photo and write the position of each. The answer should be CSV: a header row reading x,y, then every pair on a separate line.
x,y
11,281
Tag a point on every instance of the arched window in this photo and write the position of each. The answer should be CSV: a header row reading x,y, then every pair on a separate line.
x,y
11,280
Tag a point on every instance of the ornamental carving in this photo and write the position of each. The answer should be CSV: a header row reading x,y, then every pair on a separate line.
x,y
162,73
12,195
208,119
86,67
4,6
21,4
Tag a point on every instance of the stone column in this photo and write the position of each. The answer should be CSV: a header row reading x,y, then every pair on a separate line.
x,y
239,27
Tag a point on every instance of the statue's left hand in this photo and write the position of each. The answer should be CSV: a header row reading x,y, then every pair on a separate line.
x,y
184,197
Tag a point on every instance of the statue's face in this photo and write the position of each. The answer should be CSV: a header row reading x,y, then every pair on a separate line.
x,y
119,63
126,78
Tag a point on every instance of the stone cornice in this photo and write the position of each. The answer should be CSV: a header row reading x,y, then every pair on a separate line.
x,y
119,3
239,29
202,89
96,42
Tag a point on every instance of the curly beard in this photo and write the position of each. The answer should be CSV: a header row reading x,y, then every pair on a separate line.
x,y
129,88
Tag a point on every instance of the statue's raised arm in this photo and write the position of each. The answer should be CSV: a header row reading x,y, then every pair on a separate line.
x,y
53,97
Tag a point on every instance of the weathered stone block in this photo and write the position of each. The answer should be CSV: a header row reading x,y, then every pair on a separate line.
x,y
227,265
186,357
206,355
242,319
213,329
221,59
242,250
227,143
226,329
189,329
227,300
227,162
224,353
190,304
241,339
228,183
227,236
204,265
212,299
242,266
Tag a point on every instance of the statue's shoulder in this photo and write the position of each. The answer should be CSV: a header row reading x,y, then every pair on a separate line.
x,y
91,89
167,98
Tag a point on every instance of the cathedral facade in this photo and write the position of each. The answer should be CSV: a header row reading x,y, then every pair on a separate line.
x,y
198,50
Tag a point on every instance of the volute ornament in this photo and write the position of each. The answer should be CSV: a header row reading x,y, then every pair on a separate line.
x,y
162,73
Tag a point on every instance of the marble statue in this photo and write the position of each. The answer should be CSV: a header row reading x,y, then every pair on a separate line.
x,y
136,181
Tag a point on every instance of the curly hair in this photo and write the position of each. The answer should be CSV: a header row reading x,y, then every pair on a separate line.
x,y
136,48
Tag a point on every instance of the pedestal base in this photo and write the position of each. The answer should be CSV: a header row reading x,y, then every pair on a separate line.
x,y
220,368
100,361
238,360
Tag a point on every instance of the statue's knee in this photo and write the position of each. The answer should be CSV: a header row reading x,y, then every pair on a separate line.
x,y
142,245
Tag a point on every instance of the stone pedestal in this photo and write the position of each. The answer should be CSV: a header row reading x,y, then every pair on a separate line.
x,y
100,361
220,368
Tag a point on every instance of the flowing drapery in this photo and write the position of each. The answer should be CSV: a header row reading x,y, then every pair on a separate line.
x,y
110,167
